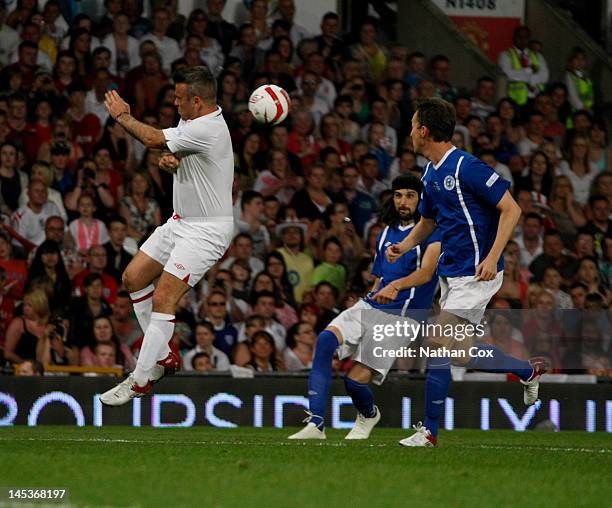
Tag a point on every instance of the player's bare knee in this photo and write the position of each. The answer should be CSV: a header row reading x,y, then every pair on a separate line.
x,y
336,332
360,373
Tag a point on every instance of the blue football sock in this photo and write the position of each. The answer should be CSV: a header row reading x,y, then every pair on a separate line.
x,y
362,396
436,389
500,362
319,380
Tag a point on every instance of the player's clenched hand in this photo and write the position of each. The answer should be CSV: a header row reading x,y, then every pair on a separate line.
x,y
115,105
386,294
394,252
169,162
487,270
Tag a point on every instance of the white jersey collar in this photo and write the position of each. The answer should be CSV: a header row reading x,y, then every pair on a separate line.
x,y
441,161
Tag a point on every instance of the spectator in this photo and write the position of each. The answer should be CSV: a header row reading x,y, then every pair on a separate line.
x,y
138,208
483,103
167,47
299,265
12,180
501,335
300,345
246,50
539,176
26,67
525,69
105,355
25,334
369,52
251,221
279,136
600,153
579,84
278,180
29,220
552,283
29,368
242,248
275,265
552,255
263,353
218,28
104,334
579,169
148,86
87,231
201,363
530,242
534,135
330,269
588,274
285,314
361,204
123,47
48,268
600,225
313,202
44,172
9,37
124,323
97,261
84,309
301,142
311,103
553,127
329,45
117,254
326,299
349,129
205,336
215,308
440,72
563,210
513,289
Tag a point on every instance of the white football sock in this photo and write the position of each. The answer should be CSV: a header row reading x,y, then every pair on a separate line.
x,y
155,342
143,306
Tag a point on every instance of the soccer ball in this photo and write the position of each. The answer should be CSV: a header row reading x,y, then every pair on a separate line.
x,y
269,104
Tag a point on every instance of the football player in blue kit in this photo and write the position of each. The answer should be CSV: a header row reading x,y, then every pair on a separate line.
x,y
399,288
468,204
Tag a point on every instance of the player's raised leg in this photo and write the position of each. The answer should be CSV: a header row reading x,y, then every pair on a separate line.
x,y
319,382
168,292
356,384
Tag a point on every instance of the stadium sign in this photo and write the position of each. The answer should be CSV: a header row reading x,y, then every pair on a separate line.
x,y
487,23
269,401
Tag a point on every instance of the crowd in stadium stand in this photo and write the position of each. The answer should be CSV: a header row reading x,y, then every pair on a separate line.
x,y
78,194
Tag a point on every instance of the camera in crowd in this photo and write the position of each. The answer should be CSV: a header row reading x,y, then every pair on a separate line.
x,y
60,148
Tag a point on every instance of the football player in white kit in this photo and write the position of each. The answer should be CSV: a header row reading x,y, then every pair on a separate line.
x,y
183,249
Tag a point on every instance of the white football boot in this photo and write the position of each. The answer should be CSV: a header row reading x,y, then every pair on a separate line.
x,y
422,437
124,392
311,431
363,426
531,387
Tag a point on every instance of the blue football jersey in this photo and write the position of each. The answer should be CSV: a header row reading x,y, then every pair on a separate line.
x,y
420,297
461,195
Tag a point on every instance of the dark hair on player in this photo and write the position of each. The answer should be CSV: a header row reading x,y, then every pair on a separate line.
x,y
200,82
438,116
388,214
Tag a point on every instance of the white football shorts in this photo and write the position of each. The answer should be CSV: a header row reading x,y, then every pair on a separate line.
x,y
359,343
467,297
189,247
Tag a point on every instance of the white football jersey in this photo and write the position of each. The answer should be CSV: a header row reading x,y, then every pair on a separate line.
x,y
203,182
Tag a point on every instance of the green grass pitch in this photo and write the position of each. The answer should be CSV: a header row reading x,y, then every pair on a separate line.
x,y
206,467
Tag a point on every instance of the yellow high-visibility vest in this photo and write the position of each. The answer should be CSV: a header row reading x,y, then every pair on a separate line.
x,y
518,91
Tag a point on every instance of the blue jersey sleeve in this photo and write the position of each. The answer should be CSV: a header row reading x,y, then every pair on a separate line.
x,y
483,182
377,269
436,236
426,205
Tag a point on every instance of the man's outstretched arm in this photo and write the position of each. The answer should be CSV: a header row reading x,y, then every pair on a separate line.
x,y
120,111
